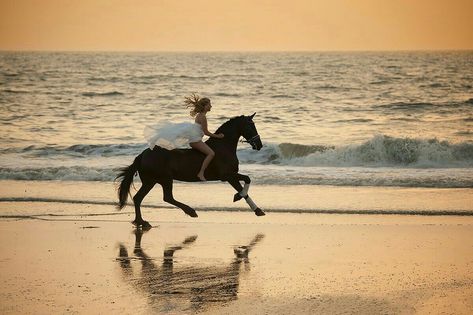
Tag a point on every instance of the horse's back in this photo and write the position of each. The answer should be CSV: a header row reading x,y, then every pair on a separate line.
x,y
184,164
155,162
163,163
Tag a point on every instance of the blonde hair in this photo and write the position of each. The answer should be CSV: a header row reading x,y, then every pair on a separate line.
x,y
195,103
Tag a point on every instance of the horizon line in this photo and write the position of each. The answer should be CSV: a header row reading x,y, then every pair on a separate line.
x,y
239,51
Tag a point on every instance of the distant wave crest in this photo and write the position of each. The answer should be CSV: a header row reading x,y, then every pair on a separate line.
x,y
423,106
93,94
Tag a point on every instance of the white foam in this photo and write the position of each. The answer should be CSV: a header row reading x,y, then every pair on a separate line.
x,y
379,151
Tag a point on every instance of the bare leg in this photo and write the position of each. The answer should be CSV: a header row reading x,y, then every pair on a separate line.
x,y
204,148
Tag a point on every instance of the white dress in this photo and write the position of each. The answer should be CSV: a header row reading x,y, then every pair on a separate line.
x,y
173,135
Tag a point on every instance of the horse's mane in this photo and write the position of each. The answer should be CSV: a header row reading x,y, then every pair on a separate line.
x,y
229,122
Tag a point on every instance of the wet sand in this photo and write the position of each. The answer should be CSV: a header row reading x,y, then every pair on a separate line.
x,y
234,262
272,198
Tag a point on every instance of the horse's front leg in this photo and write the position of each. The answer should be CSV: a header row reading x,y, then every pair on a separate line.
x,y
169,251
244,191
234,180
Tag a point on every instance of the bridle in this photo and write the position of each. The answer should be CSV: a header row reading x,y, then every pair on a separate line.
x,y
252,140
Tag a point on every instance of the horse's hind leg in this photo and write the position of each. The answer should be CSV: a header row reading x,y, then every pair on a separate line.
x,y
168,197
137,199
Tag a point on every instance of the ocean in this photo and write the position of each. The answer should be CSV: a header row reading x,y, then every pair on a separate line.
x,y
359,119
343,119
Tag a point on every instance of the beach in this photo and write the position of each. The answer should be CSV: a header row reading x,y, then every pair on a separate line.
x,y
70,257
65,253
365,175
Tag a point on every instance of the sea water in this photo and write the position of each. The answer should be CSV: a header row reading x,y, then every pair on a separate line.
x,y
390,119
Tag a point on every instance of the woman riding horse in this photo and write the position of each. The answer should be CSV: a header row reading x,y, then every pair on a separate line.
x,y
162,166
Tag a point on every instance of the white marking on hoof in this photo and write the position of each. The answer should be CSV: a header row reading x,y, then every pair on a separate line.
x,y
250,202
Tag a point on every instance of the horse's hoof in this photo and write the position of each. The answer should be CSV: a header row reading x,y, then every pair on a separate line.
x,y
169,253
190,239
191,213
241,252
237,197
259,212
146,226
142,224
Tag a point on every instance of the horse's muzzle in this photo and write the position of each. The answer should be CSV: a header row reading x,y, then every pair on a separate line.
x,y
257,146
256,143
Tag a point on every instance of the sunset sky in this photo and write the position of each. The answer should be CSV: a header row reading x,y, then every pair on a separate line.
x,y
235,25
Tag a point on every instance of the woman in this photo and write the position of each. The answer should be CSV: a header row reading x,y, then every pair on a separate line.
x,y
174,135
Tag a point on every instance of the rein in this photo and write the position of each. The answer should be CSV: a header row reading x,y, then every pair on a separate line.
x,y
251,139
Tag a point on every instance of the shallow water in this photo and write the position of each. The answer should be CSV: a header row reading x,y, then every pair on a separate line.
x,y
39,199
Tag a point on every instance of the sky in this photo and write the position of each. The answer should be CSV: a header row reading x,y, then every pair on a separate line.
x,y
235,25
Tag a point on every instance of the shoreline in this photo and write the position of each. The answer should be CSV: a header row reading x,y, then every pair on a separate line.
x,y
270,198
31,201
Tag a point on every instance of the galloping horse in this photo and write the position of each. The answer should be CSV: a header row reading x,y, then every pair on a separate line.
x,y
162,166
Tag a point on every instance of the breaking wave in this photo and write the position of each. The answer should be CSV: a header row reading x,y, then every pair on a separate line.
x,y
278,175
75,173
379,151
379,161
79,150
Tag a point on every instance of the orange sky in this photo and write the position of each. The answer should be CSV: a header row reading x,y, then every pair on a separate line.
x,y
235,25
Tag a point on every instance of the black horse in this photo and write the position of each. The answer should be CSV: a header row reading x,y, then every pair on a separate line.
x,y
162,166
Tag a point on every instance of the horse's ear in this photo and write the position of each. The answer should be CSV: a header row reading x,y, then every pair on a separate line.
x,y
251,117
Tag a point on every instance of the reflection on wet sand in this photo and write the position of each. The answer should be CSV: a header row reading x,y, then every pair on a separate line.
x,y
192,288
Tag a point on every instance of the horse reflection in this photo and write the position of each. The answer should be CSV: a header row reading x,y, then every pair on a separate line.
x,y
184,288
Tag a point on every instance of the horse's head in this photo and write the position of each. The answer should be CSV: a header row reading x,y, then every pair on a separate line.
x,y
249,132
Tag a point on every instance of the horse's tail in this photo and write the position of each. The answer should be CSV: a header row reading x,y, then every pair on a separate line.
x,y
126,174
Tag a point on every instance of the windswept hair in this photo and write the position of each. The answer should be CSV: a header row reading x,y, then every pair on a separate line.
x,y
196,103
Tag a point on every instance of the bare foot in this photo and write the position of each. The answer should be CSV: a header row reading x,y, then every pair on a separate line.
x,y
201,177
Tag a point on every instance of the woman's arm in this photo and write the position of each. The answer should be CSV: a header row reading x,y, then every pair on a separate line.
x,y
203,122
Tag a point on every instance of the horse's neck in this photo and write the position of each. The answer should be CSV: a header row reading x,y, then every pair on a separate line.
x,y
231,137
229,141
